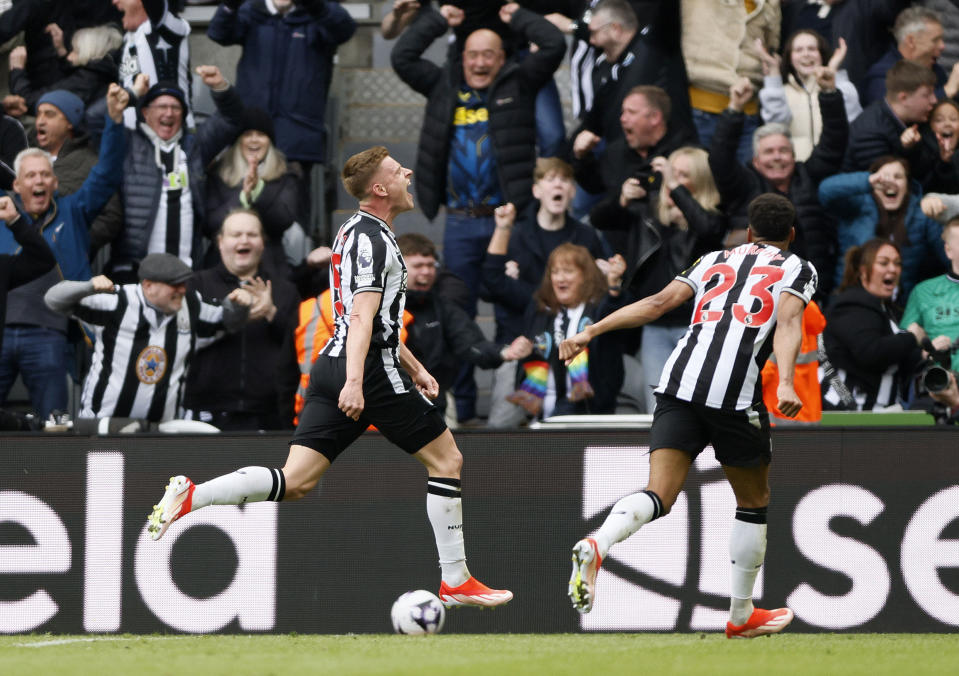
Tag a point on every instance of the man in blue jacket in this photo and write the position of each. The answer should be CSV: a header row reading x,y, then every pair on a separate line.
x,y
35,338
286,68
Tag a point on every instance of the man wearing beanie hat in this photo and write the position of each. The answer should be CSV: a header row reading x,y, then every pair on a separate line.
x,y
152,329
164,174
59,117
67,103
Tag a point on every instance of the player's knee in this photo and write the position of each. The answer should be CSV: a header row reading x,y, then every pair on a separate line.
x,y
449,463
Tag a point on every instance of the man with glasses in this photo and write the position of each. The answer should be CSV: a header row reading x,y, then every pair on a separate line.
x,y
164,178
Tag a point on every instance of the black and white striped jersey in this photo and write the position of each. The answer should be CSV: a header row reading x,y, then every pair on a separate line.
x,y
141,355
719,360
365,259
160,48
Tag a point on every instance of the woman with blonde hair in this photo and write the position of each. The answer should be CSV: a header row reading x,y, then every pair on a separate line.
x,y
689,223
253,174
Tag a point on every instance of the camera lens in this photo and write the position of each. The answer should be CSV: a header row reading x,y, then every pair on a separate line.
x,y
935,379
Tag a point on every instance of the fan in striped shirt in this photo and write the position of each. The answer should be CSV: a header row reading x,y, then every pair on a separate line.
x,y
748,301
364,375
145,334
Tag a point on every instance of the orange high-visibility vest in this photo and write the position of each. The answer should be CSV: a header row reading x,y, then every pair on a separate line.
x,y
806,380
314,328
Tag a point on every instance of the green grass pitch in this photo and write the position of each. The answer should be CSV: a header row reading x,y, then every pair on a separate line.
x,y
481,654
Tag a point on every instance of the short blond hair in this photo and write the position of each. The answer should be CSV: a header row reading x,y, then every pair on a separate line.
x,y
359,170
551,165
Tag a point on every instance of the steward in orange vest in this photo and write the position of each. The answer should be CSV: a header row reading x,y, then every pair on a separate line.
x,y
806,380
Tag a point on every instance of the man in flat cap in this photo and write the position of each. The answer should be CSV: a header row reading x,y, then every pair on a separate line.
x,y
146,334
164,173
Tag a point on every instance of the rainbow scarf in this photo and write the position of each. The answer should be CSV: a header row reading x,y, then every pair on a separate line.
x,y
578,370
532,391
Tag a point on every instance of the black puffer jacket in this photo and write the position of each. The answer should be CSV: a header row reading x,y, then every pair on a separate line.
x,y
511,101
739,184
142,185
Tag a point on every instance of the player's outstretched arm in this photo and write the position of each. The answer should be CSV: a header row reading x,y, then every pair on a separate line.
x,y
424,382
786,344
365,306
635,314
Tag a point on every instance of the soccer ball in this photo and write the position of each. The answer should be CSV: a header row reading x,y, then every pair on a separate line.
x,y
418,612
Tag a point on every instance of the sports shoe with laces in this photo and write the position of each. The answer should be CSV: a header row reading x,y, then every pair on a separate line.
x,y
176,501
473,593
582,581
761,623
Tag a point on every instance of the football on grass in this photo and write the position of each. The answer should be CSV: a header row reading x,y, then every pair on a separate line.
x,y
418,612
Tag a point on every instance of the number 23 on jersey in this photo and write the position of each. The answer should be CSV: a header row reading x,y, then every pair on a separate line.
x,y
768,275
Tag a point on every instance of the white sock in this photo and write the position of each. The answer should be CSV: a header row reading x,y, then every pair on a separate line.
x,y
747,549
248,484
445,510
628,515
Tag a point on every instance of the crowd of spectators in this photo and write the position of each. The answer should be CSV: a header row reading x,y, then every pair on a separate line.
x,y
169,230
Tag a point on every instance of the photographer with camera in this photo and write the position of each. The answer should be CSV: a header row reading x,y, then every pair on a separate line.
x,y
932,313
624,172
678,223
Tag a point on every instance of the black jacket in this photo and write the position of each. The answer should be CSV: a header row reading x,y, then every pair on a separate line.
x,y
276,205
89,82
649,59
605,356
526,247
739,184
606,174
657,252
242,371
859,339
442,337
873,134
510,99
33,261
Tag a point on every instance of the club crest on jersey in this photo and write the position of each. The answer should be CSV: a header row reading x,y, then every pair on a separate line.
x,y
129,66
364,260
151,365
543,344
